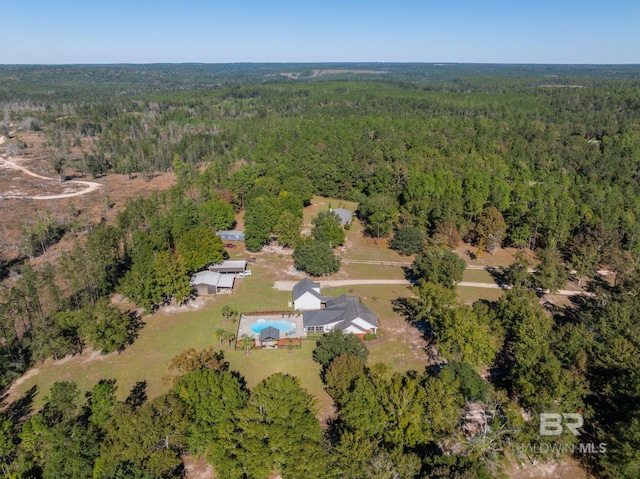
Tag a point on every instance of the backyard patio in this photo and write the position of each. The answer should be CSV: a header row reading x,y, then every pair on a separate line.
x,y
280,326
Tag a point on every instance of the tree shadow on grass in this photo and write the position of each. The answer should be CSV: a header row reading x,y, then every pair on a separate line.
x,y
499,275
137,396
406,308
22,407
135,325
410,274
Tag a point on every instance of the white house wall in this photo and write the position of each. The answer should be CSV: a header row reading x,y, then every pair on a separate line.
x,y
307,301
328,327
363,324
353,330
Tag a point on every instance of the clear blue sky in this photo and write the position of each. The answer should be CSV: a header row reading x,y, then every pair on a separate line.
x,y
211,31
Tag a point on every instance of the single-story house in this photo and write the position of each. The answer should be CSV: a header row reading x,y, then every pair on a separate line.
x,y
231,235
345,215
229,266
306,295
212,282
343,312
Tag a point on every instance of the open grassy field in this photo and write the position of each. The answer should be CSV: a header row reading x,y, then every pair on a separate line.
x,y
469,294
478,276
174,329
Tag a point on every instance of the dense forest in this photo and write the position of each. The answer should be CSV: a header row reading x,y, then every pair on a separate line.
x,y
542,158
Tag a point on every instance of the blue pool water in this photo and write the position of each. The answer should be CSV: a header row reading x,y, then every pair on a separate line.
x,y
282,326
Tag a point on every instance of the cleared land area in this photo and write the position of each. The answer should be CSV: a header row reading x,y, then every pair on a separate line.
x,y
371,271
174,329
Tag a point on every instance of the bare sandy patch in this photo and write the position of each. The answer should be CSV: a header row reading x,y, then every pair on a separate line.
x,y
197,468
194,305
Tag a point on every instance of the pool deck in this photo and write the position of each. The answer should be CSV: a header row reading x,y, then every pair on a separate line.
x,y
247,319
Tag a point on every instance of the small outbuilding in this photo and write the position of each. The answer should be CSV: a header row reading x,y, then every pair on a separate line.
x,y
269,338
345,215
231,235
229,266
212,282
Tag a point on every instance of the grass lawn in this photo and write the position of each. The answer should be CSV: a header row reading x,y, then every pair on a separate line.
x,y
165,334
260,364
477,276
361,247
172,330
470,294
502,257
320,203
370,271
163,337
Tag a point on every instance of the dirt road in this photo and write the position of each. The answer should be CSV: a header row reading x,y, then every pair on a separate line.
x,y
8,163
288,285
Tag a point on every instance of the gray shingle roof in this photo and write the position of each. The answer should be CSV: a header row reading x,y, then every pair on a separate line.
x,y
321,317
345,215
304,286
269,333
344,309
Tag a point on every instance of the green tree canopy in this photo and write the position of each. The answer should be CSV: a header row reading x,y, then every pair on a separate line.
x,y
472,386
277,427
214,399
218,214
460,333
341,373
336,343
149,440
379,213
440,266
287,229
200,247
328,229
491,229
315,257
551,272
408,240
108,329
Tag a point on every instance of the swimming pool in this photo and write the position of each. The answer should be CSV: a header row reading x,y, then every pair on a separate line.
x,y
282,326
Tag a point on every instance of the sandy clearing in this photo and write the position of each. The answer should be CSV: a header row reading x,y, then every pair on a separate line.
x,y
9,163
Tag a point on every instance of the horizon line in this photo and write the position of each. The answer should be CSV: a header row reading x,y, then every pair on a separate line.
x,y
435,63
